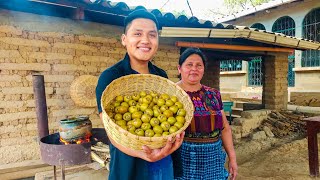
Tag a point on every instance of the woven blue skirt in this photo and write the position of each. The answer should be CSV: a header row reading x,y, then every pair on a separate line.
x,y
200,161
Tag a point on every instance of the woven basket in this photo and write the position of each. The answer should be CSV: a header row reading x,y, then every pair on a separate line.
x,y
135,83
82,91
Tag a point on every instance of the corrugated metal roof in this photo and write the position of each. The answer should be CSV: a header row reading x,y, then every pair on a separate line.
x,y
107,12
243,32
99,10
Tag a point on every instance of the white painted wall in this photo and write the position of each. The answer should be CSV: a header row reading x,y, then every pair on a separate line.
x,y
308,81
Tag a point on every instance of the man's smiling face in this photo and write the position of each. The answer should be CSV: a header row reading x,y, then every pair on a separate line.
x,y
141,39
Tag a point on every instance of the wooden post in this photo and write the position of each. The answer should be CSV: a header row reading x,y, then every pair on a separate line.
x,y
313,127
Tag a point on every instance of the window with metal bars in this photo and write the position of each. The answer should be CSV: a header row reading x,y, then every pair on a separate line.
x,y
255,65
311,31
286,26
258,26
255,71
291,74
230,65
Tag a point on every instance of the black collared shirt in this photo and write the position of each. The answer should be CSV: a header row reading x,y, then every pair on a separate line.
x,y
122,166
122,68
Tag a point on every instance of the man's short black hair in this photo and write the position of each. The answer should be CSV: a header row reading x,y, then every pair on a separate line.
x,y
141,13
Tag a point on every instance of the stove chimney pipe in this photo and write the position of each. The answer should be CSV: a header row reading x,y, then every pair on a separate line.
x,y
41,105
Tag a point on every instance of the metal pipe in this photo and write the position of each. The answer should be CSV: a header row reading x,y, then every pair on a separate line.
x,y
41,105
63,174
54,173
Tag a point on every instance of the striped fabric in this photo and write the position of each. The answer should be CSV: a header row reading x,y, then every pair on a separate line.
x,y
200,161
205,159
207,115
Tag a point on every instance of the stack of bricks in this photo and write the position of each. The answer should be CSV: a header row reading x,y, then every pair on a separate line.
x,y
275,86
61,58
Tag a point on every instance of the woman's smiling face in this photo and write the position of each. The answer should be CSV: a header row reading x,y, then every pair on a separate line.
x,y
192,69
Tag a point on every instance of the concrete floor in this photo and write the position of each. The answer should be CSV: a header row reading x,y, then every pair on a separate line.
x,y
76,173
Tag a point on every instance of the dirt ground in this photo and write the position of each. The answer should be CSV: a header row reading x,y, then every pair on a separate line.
x,y
274,159
270,159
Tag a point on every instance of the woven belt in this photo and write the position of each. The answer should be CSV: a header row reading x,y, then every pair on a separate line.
x,y
201,140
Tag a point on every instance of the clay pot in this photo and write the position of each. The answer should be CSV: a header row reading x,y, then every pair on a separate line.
x,y
76,128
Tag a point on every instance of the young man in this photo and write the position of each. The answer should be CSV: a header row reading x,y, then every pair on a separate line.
x,y
141,41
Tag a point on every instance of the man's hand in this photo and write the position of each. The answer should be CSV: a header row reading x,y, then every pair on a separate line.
x,y
153,155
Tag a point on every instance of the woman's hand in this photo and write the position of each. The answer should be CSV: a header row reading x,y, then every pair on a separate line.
x,y
233,169
153,155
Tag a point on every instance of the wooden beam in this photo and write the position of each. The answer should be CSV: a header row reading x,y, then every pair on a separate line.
x,y
233,47
23,169
21,166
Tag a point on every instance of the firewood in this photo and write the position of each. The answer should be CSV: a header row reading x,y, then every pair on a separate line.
x,y
279,125
270,119
96,158
101,144
292,117
273,115
280,115
108,166
100,149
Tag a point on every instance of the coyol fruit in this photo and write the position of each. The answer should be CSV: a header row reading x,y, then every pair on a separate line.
x,y
125,104
136,97
137,123
171,120
149,133
127,98
147,114
132,103
157,129
178,124
165,125
133,109
173,129
154,122
145,126
136,115
139,132
119,99
126,116
145,118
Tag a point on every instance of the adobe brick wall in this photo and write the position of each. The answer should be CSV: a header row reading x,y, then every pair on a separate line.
x,y
61,58
275,86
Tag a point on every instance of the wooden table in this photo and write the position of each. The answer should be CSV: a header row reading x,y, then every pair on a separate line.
x,y
313,128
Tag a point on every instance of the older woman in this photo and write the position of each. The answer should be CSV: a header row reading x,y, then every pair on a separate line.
x,y
201,155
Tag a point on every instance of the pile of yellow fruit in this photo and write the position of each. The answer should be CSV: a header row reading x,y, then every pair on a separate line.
x,y
147,114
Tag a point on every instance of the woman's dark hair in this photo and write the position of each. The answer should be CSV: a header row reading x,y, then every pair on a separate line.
x,y
188,52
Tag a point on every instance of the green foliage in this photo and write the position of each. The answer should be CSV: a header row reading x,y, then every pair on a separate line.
x,y
179,13
243,3
175,13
